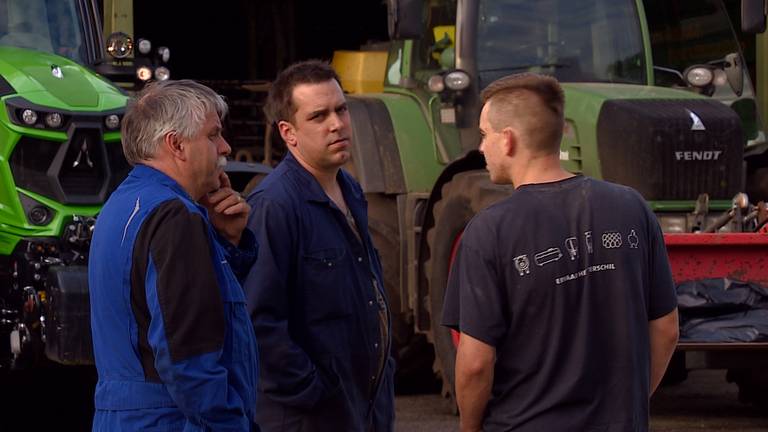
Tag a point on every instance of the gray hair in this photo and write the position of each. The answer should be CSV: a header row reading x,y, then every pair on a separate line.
x,y
167,106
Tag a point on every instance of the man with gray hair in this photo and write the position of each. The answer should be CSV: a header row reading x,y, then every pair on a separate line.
x,y
174,346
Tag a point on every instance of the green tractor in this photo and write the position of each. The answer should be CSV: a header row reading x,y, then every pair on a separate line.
x,y
60,157
657,98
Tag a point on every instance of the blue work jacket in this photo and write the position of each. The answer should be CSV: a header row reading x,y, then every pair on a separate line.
x,y
312,296
174,346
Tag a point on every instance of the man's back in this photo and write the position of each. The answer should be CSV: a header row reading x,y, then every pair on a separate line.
x,y
562,279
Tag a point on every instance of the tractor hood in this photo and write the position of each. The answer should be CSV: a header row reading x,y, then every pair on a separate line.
x,y
668,144
57,82
582,96
631,91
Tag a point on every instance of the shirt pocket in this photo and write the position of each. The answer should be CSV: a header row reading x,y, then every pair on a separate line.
x,y
327,285
241,341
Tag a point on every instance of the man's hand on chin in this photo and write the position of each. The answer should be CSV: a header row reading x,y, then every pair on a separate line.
x,y
227,210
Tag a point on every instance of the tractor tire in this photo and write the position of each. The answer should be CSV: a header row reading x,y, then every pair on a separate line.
x,y
465,195
412,352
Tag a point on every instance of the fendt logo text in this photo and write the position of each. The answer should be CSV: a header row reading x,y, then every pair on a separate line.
x,y
712,155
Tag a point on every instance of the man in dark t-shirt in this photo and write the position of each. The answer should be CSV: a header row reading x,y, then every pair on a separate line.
x,y
562,292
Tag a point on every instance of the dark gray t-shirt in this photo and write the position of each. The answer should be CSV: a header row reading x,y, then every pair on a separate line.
x,y
562,279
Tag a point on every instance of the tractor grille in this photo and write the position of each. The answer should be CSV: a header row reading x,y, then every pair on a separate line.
x,y
82,170
672,149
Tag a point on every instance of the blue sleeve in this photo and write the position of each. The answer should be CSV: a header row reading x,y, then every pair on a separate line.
x,y
242,256
187,319
287,374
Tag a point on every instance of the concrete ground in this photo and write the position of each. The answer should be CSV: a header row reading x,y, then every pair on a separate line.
x,y
703,402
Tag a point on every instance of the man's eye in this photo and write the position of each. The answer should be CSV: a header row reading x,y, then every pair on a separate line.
x,y
342,109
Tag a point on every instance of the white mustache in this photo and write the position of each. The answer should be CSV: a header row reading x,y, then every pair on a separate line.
x,y
221,162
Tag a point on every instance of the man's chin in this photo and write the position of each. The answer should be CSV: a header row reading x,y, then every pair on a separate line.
x,y
214,186
338,159
498,179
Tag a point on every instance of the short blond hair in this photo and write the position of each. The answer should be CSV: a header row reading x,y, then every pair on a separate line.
x,y
530,102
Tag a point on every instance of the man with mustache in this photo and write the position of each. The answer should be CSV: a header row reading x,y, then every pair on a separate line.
x,y
315,293
173,343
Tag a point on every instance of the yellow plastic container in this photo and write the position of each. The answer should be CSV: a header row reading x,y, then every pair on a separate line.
x,y
360,71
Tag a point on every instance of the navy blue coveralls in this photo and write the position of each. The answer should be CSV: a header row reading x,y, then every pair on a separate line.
x,y
174,346
316,301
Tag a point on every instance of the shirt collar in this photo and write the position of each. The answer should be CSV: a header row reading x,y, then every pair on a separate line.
x,y
146,172
310,187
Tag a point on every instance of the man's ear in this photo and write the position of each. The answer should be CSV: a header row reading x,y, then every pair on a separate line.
x,y
174,145
287,132
510,142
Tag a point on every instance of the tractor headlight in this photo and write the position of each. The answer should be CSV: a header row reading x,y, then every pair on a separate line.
x,y
164,53
119,45
54,120
162,73
39,215
457,80
436,83
29,117
112,121
699,76
145,46
36,212
144,73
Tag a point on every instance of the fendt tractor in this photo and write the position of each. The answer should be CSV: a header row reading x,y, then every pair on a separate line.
x,y
658,97
60,157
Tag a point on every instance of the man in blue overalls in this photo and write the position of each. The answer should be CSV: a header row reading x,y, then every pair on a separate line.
x,y
174,346
315,293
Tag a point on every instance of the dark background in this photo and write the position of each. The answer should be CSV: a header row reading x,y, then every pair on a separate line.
x,y
254,39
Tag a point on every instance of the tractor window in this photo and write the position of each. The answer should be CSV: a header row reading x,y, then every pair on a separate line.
x,y
51,26
585,41
686,33
441,14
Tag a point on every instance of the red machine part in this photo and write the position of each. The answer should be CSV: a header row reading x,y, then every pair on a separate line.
x,y
738,256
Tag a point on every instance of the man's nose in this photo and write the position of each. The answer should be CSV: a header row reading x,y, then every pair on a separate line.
x,y
336,122
224,148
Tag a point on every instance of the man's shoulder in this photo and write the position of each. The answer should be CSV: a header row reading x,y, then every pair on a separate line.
x,y
281,185
613,188
483,228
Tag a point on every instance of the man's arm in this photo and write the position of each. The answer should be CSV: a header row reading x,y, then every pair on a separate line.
x,y
179,307
663,334
287,373
474,379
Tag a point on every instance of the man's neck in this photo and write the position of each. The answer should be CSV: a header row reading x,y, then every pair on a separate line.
x,y
173,171
325,177
539,169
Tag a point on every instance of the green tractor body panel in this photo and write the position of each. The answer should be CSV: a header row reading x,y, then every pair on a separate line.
x,y
416,141
29,73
